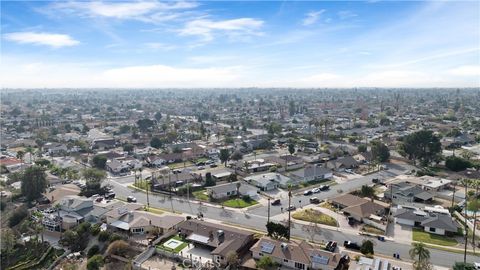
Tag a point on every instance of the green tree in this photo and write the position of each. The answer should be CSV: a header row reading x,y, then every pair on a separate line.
x,y
291,148
93,251
277,230
380,151
367,247
232,259
128,148
362,148
95,262
367,191
8,244
34,182
421,256
266,263
237,155
99,161
224,156
156,142
209,181
144,124
422,145
94,178
158,116
463,266
17,216
457,164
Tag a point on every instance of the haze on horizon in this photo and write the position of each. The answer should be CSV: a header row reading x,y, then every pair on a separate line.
x,y
152,44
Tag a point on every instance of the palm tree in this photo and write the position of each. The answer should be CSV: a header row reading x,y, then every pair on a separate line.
x,y
30,151
288,209
421,255
238,188
474,208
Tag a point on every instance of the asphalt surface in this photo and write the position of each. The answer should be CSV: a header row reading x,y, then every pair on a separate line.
x,y
256,218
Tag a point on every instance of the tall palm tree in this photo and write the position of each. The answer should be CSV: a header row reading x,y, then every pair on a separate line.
x,y
420,254
288,209
29,150
238,188
474,207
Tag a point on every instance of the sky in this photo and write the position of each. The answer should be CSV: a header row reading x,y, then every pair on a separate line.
x,y
153,44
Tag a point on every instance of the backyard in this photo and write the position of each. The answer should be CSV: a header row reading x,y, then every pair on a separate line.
x,y
316,216
174,244
442,240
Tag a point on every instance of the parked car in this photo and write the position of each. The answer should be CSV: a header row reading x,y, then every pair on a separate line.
x,y
200,168
131,199
316,190
351,221
351,245
213,165
375,180
276,202
110,195
324,187
99,199
331,246
314,200
307,192
348,171
291,208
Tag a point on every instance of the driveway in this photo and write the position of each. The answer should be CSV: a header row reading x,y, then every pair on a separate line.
x,y
401,233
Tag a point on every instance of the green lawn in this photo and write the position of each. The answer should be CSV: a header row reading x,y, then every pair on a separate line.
x,y
141,184
180,165
316,216
472,205
422,236
177,249
201,195
154,210
239,203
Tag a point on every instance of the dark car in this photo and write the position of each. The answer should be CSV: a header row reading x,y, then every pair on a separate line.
x,y
331,246
351,245
291,208
131,199
324,187
314,200
276,202
308,192
110,195
213,165
351,221
375,180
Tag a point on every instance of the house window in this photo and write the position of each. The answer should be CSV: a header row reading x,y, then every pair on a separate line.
x,y
285,260
137,230
299,265
432,229
260,254
228,193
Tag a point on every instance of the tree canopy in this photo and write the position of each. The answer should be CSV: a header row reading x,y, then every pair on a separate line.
x,y
99,161
145,124
277,230
224,155
380,151
34,182
422,145
156,142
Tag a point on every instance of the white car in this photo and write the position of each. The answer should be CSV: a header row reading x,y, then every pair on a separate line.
x,y
316,190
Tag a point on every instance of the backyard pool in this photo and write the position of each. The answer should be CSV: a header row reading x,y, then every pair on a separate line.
x,y
172,243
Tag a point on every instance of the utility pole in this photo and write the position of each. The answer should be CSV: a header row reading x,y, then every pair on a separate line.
x,y
289,210
147,186
268,216
454,189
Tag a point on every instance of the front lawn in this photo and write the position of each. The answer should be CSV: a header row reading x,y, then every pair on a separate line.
x,y
239,203
370,229
201,195
425,237
316,216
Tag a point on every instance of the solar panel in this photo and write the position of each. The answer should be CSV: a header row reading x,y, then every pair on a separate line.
x,y
320,259
267,247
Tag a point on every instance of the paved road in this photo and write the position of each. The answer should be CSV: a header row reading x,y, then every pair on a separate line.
x,y
256,219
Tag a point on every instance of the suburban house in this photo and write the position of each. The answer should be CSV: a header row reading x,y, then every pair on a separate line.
x,y
55,149
219,239
295,254
270,181
162,159
103,143
72,211
116,167
230,189
221,176
165,182
361,209
141,222
12,164
287,162
258,165
405,192
364,157
432,219
343,163
311,173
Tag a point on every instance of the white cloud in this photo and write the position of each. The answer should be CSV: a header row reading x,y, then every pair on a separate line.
x,y
236,27
160,46
346,14
148,11
38,38
473,70
312,17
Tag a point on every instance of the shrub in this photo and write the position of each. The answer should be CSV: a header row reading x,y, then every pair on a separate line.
x,y
83,227
103,236
95,229
93,251
18,215
95,262
367,247
115,237
246,198
118,248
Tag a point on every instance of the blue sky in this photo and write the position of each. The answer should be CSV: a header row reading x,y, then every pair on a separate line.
x,y
240,44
